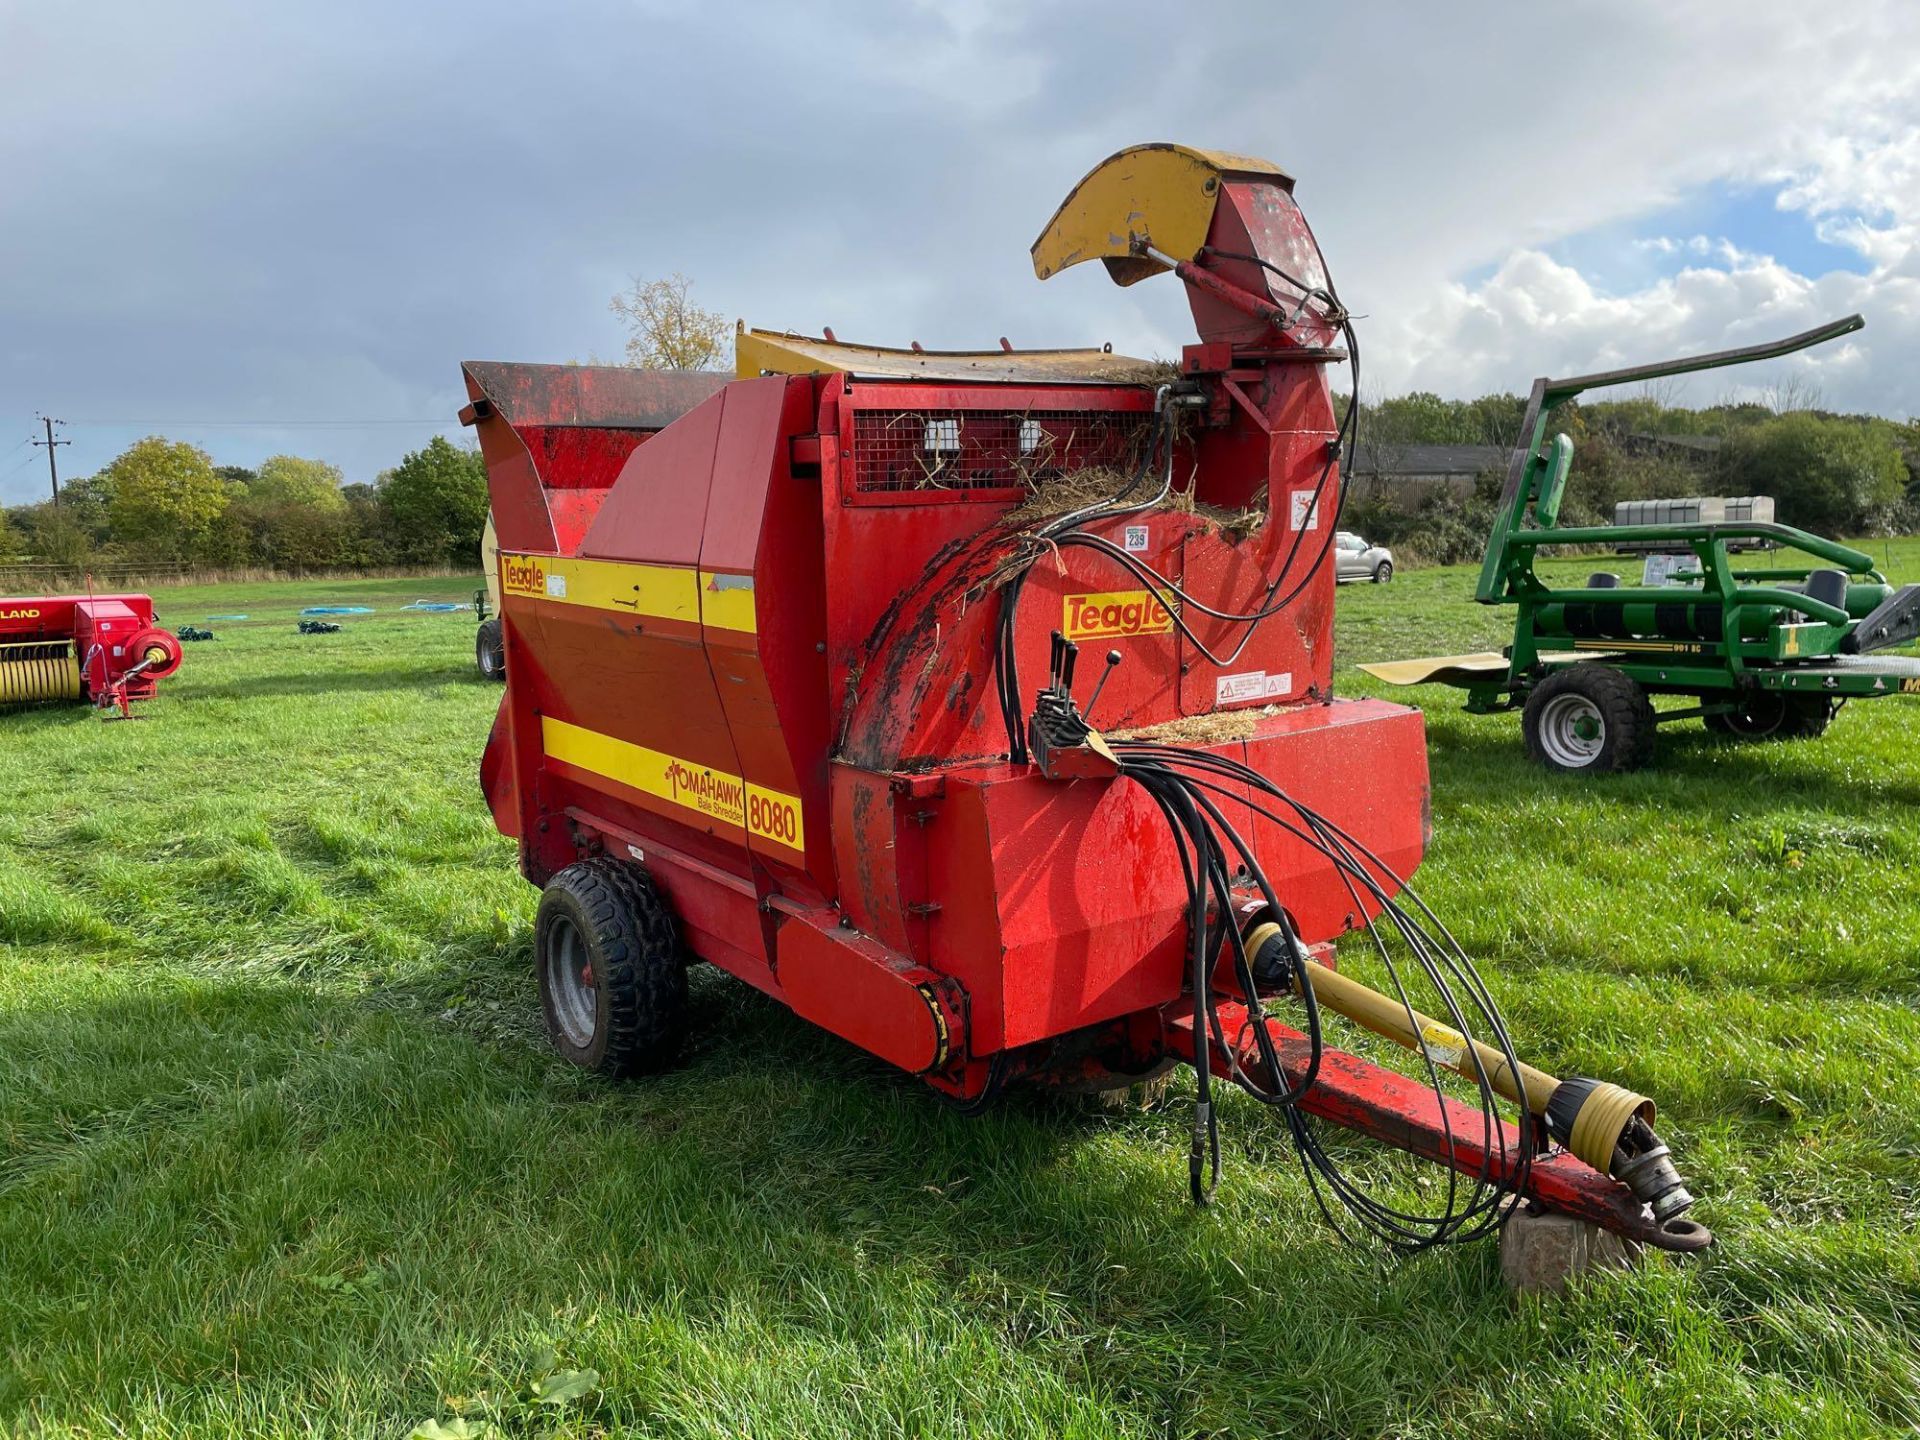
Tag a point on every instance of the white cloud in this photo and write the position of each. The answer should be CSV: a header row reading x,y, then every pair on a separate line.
x,y
1552,315
233,210
1848,166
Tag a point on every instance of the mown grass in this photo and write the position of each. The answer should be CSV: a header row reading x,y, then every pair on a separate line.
x,y
281,1150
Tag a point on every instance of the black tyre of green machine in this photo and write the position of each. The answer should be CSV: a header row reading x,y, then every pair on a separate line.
x,y
1589,720
613,979
1775,715
490,650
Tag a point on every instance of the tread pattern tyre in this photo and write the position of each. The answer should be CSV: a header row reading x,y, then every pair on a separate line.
x,y
1776,715
1383,572
629,1015
490,650
1587,720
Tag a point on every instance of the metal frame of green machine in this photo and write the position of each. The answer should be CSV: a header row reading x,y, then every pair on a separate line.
x,y
1769,651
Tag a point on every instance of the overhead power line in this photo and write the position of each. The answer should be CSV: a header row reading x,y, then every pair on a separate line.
x,y
444,423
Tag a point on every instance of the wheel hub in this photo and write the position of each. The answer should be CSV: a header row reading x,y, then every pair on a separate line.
x,y
1760,714
570,981
1572,731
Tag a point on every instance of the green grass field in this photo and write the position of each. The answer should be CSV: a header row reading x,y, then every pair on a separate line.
x,y
282,1150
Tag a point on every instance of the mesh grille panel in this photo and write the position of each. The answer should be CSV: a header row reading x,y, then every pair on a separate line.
x,y
907,450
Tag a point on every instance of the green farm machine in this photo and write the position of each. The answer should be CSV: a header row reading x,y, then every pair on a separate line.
x,y
1767,628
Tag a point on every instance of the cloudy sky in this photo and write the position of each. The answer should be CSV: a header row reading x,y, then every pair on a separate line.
x,y
281,227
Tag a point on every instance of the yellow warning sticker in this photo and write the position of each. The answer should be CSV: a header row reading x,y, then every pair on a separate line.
x,y
1441,1045
770,814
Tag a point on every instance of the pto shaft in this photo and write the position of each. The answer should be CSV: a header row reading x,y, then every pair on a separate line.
x,y
1605,1125
1440,1043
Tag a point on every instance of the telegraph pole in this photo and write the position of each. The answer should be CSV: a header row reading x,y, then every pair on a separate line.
x,y
53,471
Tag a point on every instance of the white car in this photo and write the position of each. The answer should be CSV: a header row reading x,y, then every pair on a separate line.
x,y
1355,559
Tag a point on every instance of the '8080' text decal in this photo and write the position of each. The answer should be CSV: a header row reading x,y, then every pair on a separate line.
x,y
770,814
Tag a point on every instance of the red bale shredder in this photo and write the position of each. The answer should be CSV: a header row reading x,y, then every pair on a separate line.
x,y
794,687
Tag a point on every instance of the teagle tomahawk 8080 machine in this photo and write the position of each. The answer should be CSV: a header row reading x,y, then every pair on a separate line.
x,y
795,687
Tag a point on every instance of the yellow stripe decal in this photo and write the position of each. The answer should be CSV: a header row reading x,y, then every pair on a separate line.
x,y
660,592
1639,647
770,814
726,601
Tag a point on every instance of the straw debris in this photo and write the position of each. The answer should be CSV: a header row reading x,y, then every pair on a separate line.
x,y
1057,493
1201,729
1061,493
1125,371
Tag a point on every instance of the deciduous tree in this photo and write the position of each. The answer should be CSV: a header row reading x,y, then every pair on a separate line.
x,y
289,480
667,331
164,497
436,499
1836,477
57,537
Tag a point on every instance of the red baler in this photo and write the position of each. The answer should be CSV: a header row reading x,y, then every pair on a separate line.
x,y
772,701
102,648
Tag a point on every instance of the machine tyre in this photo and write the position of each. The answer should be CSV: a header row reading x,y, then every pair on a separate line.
x,y
1776,715
1383,572
1589,720
613,984
490,650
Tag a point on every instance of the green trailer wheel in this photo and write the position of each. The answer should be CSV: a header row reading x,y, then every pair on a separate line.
x,y
1775,715
1589,720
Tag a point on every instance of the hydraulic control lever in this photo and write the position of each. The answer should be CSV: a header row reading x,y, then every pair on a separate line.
x,y
1062,744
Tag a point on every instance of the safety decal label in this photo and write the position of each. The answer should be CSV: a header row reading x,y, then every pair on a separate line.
x,y
1115,614
1303,512
656,592
1251,685
1442,1045
770,814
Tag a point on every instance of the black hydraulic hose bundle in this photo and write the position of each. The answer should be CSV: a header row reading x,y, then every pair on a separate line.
x,y
1188,786
1216,861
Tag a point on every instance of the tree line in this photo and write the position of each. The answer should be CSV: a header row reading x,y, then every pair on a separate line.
x,y
1835,474
166,502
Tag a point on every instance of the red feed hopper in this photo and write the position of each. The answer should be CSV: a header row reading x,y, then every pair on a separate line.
x,y
770,676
